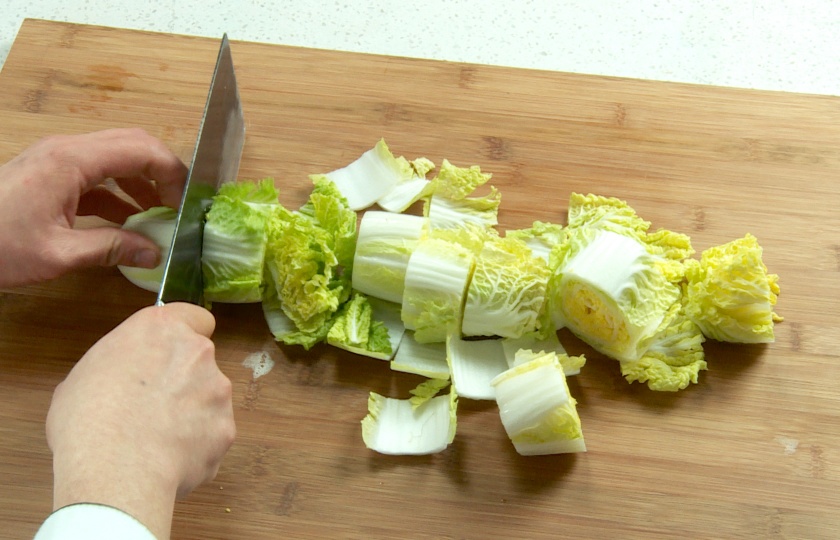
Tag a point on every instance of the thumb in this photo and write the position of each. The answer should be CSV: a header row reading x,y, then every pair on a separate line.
x,y
108,246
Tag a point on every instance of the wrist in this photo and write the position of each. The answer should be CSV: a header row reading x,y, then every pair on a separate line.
x,y
145,492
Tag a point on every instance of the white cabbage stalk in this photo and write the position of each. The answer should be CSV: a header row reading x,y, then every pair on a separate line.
x,y
426,359
157,224
404,194
383,247
537,409
613,295
507,290
525,349
474,364
435,285
395,426
370,177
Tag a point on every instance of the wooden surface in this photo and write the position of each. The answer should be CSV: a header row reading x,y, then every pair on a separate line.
x,y
751,452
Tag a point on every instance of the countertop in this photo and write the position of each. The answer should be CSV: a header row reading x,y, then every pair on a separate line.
x,y
767,45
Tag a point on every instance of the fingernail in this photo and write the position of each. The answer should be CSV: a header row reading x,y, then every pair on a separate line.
x,y
146,258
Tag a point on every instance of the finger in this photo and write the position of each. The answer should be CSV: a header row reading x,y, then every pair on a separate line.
x,y
127,153
104,246
198,318
141,190
102,202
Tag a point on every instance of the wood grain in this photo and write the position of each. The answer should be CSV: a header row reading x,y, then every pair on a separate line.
x,y
751,452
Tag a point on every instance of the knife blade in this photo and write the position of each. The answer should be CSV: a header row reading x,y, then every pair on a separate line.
x,y
218,150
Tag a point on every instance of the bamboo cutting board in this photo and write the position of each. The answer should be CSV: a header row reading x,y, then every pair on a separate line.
x,y
753,451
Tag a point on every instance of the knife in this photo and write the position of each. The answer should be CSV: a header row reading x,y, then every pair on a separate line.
x,y
218,150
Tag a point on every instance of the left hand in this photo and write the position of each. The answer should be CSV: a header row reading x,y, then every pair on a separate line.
x,y
44,188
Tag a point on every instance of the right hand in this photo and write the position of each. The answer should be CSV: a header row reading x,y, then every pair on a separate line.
x,y
144,417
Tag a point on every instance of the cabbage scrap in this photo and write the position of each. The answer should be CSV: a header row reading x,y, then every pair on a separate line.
x,y
673,356
356,330
426,359
730,295
473,364
396,427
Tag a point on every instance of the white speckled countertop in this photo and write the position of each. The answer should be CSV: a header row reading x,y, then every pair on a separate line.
x,y
789,45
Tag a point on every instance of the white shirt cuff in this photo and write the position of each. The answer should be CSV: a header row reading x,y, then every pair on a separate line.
x,y
90,521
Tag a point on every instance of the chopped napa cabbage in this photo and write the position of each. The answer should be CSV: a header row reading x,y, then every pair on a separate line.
x,y
449,205
468,235
426,391
473,364
457,183
541,238
370,177
383,248
435,284
235,240
284,329
524,349
355,329
445,213
598,213
426,359
409,189
612,294
537,410
157,224
507,290
394,426
388,313
673,356
307,257
730,295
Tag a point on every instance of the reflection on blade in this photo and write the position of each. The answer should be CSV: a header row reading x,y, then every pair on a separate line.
x,y
218,150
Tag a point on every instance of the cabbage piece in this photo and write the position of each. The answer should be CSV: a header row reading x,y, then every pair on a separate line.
x,y
370,177
445,213
507,290
449,205
435,284
235,240
598,213
426,391
157,224
673,356
284,329
541,238
524,349
408,190
730,295
307,256
426,359
388,313
612,294
474,364
537,410
394,426
355,329
383,248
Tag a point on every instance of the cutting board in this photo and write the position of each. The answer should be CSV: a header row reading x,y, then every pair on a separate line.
x,y
752,451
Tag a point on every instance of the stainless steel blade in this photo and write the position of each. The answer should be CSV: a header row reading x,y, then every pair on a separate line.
x,y
218,150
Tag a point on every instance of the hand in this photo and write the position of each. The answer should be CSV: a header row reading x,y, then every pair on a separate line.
x,y
44,188
144,417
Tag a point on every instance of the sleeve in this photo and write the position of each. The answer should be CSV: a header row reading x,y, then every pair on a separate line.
x,y
87,521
